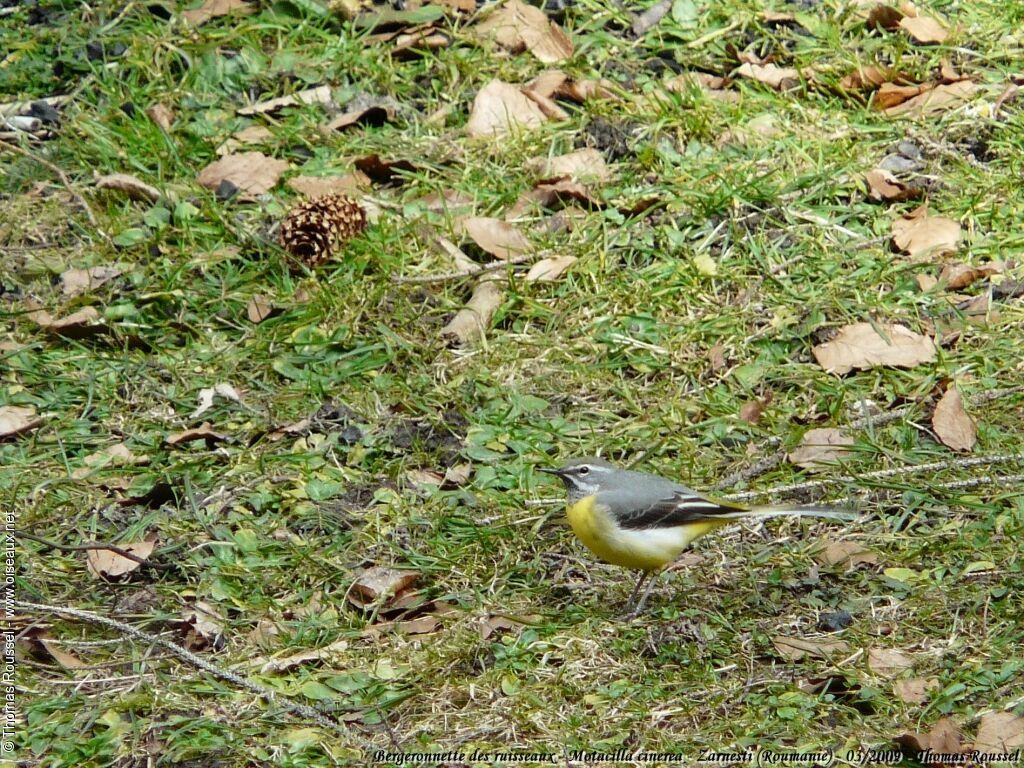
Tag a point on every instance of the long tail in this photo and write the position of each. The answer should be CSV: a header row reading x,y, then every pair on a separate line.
x,y
832,513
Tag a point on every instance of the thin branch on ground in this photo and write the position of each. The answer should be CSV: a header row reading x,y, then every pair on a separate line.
x,y
90,545
60,175
448,276
192,659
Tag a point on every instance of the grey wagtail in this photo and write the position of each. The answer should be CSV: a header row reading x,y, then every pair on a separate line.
x,y
643,521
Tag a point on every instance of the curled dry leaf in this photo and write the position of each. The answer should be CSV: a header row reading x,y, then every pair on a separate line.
x,y
924,29
934,101
457,475
869,78
368,113
863,345
518,26
780,78
17,419
958,275
207,394
384,171
919,234
254,134
888,662
820,447
252,173
212,8
1000,732
38,642
74,282
951,423
119,455
202,626
884,187
944,737
102,563
327,654
162,115
710,85
796,648
495,622
891,95
204,431
498,238
319,95
133,187
848,553
915,690
581,165
556,84
82,324
549,269
379,582
470,322
501,108
260,308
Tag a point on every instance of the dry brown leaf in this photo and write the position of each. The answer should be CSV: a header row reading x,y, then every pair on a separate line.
x,y
716,356
371,114
102,563
553,195
944,737
253,173
118,455
74,282
319,95
379,582
207,395
888,662
751,411
554,83
892,95
204,431
860,346
884,17
423,625
449,201
82,324
883,186
517,26
162,115
549,269
202,626
37,641
581,165
915,690
919,234
796,648
498,238
819,447
501,108
457,475
1000,732
259,308
352,184
780,78
495,622
134,188
286,663
16,419
925,282
213,8
935,100
711,85
951,423
924,29
253,134
414,41
471,322
867,78
848,553
384,171
424,477
958,275
548,106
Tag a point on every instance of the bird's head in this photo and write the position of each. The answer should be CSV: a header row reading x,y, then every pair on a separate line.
x,y
583,477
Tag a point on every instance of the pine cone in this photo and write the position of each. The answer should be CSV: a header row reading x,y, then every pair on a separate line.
x,y
313,228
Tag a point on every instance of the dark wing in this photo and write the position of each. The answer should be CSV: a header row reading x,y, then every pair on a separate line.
x,y
682,508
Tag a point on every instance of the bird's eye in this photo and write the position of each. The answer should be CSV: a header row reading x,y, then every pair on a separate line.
x,y
584,470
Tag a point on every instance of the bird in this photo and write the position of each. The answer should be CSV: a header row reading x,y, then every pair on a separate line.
x,y
644,521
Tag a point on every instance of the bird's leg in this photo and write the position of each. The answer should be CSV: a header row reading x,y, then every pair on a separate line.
x,y
643,599
647,576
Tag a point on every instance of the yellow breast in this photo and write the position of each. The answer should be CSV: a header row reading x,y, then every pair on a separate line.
x,y
647,549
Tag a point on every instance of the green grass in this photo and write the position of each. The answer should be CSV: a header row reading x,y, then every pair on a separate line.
x,y
613,357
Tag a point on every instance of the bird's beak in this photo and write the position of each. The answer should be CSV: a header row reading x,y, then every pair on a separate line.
x,y
551,471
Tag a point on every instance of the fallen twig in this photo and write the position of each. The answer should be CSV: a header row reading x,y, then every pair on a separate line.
x,y
127,554
196,661
650,17
60,174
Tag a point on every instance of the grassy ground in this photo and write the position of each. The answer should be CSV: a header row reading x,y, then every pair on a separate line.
x,y
614,357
